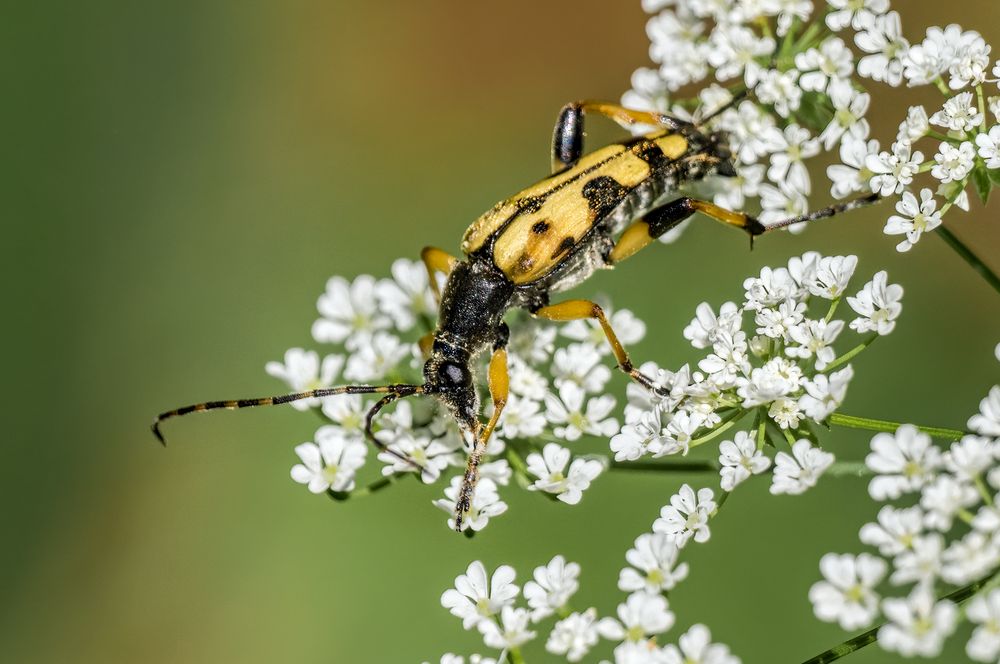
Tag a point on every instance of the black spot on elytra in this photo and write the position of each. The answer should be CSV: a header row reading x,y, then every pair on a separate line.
x,y
651,153
603,193
564,246
524,264
540,227
530,204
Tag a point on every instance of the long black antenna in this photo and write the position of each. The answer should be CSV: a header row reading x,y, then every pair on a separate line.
x,y
398,390
737,98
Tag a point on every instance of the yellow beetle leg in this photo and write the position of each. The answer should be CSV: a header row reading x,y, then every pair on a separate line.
x,y
425,343
635,237
642,232
499,382
437,260
583,309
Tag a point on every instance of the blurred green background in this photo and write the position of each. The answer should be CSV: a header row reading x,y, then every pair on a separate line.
x,y
182,177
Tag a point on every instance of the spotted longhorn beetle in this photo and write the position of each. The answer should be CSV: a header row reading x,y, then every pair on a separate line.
x,y
594,211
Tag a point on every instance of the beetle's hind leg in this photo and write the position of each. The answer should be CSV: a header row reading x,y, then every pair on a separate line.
x,y
584,309
642,232
567,138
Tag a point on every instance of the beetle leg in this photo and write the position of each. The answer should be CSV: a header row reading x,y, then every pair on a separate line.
x,y
567,138
582,309
437,260
425,343
499,381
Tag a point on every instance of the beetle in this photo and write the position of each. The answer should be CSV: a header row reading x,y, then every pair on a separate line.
x,y
595,210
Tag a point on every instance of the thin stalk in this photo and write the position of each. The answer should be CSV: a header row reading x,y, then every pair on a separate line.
x,y
984,492
849,355
726,423
931,133
849,469
870,424
833,308
869,637
692,466
966,254
761,432
838,469
519,467
716,432
722,501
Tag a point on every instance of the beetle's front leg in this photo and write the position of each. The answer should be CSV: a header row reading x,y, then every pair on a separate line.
x,y
437,260
567,138
499,384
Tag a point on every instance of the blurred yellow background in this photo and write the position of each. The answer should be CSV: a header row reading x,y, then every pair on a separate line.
x,y
180,180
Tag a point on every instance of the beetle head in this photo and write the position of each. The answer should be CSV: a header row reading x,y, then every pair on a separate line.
x,y
450,381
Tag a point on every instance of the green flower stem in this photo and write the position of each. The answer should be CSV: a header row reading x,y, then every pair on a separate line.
x,y
692,466
726,423
869,637
959,188
966,254
833,308
869,424
515,657
519,467
849,469
809,36
849,355
838,469
722,501
984,492
944,138
761,431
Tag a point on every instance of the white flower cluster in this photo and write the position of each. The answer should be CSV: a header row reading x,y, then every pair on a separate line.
x,y
939,529
488,603
808,96
558,377
769,356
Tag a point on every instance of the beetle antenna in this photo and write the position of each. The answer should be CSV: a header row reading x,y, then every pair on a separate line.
x,y
737,98
396,391
822,213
